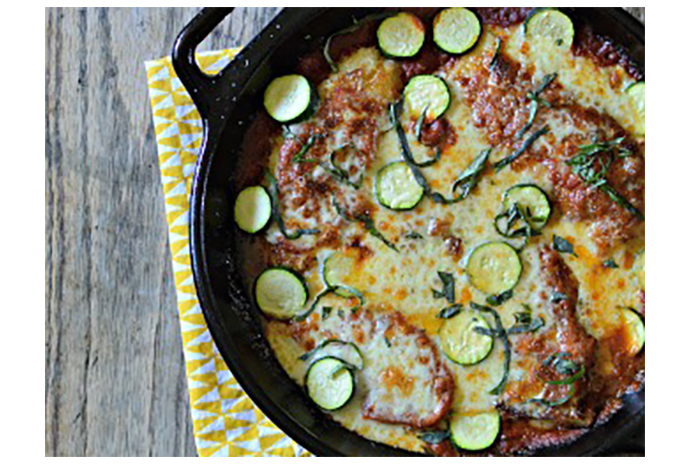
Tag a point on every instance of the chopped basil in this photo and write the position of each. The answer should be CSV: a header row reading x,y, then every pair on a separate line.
x,y
558,297
592,164
530,327
326,312
449,312
610,264
496,300
435,437
500,333
535,102
498,166
275,211
387,341
497,55
413,235
562,245
555,403
448,291
470,176
367,223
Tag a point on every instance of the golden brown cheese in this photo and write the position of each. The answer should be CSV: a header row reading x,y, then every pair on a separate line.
x,y
486,111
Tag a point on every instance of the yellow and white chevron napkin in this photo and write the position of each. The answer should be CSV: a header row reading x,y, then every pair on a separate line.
x,y
226,422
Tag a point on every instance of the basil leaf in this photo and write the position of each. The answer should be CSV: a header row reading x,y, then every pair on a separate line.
x,y
413,235
326,312
558,297
610,264
563,246
496,300
274,193
366,222
500,333
448,291
449,312
434,437
498,166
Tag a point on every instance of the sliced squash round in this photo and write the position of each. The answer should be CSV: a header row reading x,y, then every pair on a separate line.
x,y
330,383
475,431
397,188
456,30
494,268
636,93
427,95
529,196
551,25
253,209
634,330
337,269
280,293
288,98
401,36
460,340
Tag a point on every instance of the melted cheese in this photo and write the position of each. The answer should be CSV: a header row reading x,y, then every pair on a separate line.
x,y
404,281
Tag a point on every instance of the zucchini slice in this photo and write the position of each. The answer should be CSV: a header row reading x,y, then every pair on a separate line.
x,y
456,30
475,431
401,36
551,25
336,269
253,209
280,293
330,383
289,98
397,188
634,330
461,342
636,92
427,95
494,268
531,197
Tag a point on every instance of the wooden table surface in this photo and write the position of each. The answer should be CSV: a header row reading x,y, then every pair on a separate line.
x,y
114,380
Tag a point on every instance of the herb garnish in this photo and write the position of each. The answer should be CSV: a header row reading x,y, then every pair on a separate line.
x,y
434,437
500,333
307,355
326,312
395,109
499,299
367,223
497,55
558,297
470,176
448,291
449,312
535,102
530,326
275,211
335,171
498,166
413,235
516,222
387,341
562,245
610,263
592,164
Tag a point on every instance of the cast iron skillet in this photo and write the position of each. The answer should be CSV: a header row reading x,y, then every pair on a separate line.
x,y
227,103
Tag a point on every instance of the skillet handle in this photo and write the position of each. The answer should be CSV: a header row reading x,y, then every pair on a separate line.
x,y
201,86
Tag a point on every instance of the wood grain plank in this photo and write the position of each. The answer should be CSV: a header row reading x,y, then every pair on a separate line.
x,y
114,370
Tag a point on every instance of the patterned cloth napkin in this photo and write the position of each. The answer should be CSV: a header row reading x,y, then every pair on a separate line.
x,y
226,421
